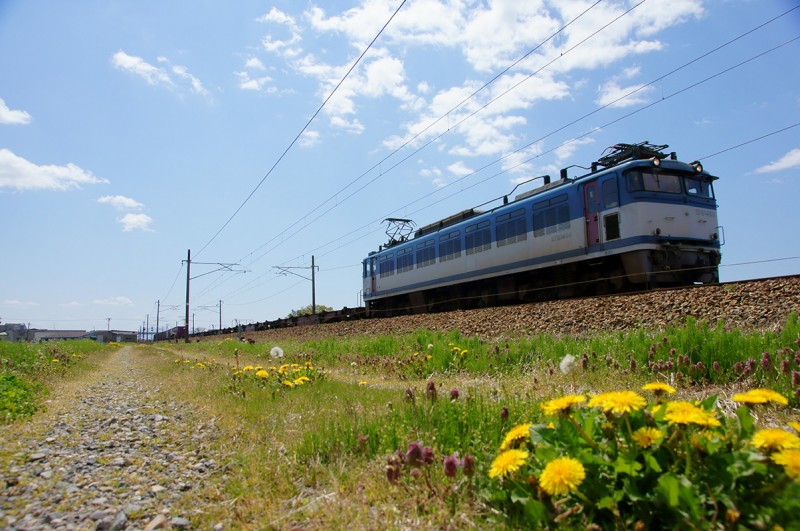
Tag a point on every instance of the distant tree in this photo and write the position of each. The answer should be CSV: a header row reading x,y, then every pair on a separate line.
x,y
307,310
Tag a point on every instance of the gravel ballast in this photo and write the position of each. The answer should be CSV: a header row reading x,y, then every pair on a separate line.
x,y
107,454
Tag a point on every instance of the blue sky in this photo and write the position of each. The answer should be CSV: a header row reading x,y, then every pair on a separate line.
x,y
131,132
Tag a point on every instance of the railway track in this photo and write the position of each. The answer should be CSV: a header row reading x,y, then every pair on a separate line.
x,y
761,304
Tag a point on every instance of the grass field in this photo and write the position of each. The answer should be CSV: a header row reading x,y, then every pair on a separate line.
x,y
429,429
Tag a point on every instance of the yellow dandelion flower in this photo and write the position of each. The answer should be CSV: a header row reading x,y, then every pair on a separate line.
x,y
362,383
516,435
282,369
562,404
618,402
681,412
298,381
247,368
55,360
258,368
561,476
775,439
463,352
428,356
507,462
761,396
795,425
647,437
262,374
790,460
658,388
288,384
199,365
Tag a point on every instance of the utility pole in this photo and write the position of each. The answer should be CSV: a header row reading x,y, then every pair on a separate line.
x,y
285,270
188,268
146,328
220,316
222,267
158,314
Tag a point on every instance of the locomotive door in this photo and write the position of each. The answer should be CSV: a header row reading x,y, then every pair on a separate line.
x,y
372,269
591,212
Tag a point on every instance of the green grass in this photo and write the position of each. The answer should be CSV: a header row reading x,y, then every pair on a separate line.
x,y
337,434
28,370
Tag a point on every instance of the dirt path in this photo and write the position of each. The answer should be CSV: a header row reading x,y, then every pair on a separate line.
x,y
108,453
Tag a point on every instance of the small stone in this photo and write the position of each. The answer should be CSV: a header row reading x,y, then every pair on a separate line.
x,y
159,522
155,489
37,456
46,474
120,462
180,522
119,522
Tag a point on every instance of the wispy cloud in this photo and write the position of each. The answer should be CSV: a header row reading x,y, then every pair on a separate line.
x,y
788,161
174,77
114,301
19,174
9,116
120,202
15,302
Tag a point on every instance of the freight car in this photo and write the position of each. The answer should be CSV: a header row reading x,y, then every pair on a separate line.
x,y
639,219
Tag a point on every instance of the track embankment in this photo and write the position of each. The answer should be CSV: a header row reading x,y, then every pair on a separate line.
x,y
759,305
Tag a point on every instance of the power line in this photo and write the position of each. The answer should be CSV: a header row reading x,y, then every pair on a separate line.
x,y
308,123
567,125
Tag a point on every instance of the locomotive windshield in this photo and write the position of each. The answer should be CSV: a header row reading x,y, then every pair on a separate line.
x,y
699,187
668,183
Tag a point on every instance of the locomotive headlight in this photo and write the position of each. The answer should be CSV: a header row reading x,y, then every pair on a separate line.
x,y
656,161
715,236
658,232
697,166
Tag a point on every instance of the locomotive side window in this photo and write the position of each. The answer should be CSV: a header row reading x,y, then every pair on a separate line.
x,y
386,265
450,246
405,260
426,254
551,216
478,238
511,227
611,223
653,182
610,193
699,187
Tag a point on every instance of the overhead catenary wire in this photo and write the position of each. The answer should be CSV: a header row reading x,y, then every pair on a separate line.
x,y
573,122
308,123
616,120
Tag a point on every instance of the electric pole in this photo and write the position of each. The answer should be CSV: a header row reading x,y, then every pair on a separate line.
x,y
222,267
285,270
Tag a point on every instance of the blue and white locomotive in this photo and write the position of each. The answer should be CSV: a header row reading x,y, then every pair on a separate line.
x,y
639,219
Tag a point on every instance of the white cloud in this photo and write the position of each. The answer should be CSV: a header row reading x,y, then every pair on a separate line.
x,y
183,73
351,126
153,75
254,63
8,116
114,301
459,169
133,222
20,174
120,202
309,138
258,82
614,95
787,162
180,79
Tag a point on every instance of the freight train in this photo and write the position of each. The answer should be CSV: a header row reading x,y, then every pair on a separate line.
x,y
639,219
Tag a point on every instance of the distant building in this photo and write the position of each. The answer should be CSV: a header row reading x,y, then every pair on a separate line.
x,y
13,332
54,335
108,336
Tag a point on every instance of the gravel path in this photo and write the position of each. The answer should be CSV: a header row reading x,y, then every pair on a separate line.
x,y
109,453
